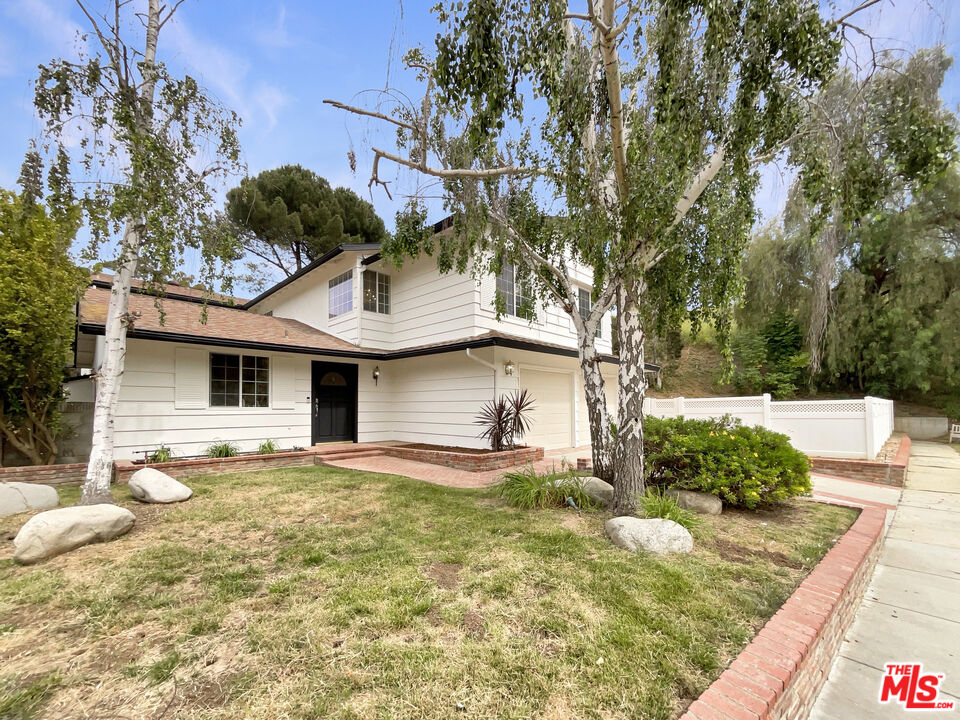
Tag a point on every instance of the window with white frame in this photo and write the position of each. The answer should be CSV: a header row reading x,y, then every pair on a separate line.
x,y
341,294
239,380
517,300
376,292
586,305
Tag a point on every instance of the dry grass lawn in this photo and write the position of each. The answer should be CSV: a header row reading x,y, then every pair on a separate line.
x,y
325,593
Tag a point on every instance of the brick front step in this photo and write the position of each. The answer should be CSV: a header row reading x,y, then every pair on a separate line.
x,y
780,673
347,455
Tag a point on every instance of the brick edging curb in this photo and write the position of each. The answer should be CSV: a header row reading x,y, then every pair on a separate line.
x,y
780,673
893,472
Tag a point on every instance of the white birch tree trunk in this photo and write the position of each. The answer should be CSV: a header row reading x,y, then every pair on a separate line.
x,y
628,453
96,487
596,399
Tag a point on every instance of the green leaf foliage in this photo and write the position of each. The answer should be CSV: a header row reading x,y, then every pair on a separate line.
x,y
40,288
514,84
656,503
744,466
528,489
290,216
139,149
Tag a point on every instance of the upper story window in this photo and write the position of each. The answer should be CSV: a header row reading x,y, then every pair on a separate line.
x,y
376,292
341,294
516,298
586,305
239,380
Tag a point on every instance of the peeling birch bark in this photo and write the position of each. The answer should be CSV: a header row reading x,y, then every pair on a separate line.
x,y
628,454
96,487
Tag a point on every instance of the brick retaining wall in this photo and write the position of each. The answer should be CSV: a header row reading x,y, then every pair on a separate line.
x,y
884,473
46,474
778,676
123,469
471,462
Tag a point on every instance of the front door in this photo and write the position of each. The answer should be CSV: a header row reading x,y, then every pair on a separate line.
x,y
334,402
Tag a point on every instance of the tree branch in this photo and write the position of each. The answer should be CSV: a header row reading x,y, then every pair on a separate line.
x,y
370,113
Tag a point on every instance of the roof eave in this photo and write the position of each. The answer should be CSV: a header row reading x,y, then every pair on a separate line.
x,y
323,259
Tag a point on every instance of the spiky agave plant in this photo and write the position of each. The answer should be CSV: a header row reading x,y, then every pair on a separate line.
x,y
521,405
496,418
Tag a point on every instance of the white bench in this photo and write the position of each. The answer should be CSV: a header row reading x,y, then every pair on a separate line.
x,y
955,432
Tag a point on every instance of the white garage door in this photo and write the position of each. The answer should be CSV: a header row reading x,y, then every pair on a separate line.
x,y
552,418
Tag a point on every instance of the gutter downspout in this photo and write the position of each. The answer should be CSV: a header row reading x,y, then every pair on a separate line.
x,y
485,364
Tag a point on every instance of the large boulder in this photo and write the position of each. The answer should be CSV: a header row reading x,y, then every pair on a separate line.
x,y
149,485
18,497
599,490
55,532
654,535
700,502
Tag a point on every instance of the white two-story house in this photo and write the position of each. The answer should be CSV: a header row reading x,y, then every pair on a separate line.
x,y
349,349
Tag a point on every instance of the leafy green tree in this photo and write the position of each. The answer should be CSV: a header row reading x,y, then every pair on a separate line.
x,y
623,137
37,297
894,326
864,142
771,360
143,147
289,216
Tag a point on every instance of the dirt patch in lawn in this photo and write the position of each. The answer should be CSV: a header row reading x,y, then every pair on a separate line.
x,y
446,575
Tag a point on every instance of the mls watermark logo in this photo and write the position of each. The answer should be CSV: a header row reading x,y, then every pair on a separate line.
x,y
912,688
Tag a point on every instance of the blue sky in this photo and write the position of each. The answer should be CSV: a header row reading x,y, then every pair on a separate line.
x,y
275,61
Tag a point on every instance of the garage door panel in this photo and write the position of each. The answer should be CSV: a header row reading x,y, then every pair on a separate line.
x,y
552,416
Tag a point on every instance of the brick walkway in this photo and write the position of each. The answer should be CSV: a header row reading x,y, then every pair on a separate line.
x,y
450,477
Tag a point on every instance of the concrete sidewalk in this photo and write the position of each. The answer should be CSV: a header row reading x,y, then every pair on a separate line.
x,y
911,610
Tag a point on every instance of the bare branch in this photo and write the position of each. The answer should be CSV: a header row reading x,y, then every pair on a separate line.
x,y
370,113
862,6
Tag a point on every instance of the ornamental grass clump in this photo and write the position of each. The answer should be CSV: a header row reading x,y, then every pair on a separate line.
x,y
222,450
745,467
527,489
655,503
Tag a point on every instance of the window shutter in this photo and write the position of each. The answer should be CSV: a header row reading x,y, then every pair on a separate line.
x,y
190,378
488,291
282,381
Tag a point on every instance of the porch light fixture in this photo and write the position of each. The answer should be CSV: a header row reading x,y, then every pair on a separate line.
x,y
509,367
376,375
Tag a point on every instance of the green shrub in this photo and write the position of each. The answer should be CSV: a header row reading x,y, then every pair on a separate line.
x,y
222,450
161,454
268,447
743,466
527,489
656,504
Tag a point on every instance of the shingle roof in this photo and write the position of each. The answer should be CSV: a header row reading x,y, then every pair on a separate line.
x,y
173,290
183,318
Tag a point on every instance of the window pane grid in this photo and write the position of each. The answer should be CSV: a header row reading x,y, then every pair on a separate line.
x,y
341,294
376,292
517,300
239,380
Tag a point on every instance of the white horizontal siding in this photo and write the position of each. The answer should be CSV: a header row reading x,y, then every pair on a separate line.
x,y
147,417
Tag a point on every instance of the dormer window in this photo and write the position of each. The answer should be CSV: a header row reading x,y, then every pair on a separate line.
x,y
586,305
376,292
517,300
341,294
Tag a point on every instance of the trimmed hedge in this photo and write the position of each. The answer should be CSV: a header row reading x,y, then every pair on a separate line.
x,y
744,466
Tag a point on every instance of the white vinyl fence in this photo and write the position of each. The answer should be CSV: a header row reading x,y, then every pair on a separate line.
x,y
826,428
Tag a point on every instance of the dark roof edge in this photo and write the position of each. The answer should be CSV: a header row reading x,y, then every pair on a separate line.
x,y
470,343
171,296
326,257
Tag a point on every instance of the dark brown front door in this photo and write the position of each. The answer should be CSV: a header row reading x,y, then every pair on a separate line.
x,y
334,402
